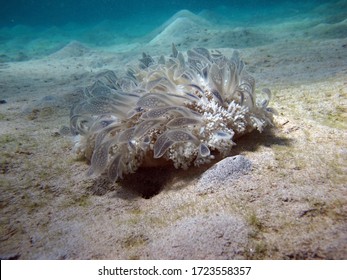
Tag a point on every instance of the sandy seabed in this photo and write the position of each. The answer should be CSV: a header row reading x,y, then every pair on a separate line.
x,y
290,205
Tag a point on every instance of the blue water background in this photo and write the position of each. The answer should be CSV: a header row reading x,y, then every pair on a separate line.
x,y
32,28
61,12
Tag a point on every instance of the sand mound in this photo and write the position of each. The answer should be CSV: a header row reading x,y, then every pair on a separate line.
x,y
72,49
183,28
330,30
188,30
223,172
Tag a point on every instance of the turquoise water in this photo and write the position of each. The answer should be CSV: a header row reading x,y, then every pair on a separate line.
x,y
31,29
61,12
